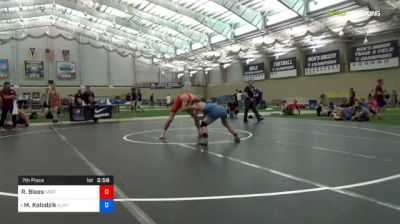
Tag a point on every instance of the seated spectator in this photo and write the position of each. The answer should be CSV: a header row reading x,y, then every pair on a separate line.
x,y
47,114
387,98
360,112
79,98
345,103
374,108
319,110
289,110
71,101
233,110
263,104
394,101
284,104
331,109
22,119
344,113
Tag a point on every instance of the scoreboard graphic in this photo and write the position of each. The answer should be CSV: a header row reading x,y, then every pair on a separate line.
x,y
66,194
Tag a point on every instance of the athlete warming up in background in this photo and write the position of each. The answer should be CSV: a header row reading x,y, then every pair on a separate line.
x,y
182,102
212,112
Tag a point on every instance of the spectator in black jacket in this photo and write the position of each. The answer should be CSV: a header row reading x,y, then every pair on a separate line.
x,y
90,101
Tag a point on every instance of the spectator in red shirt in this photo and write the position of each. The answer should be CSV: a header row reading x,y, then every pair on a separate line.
x,y
7,96
233,110
380,95
374,108
289,110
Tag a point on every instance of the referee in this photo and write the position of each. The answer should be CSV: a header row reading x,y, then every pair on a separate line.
x,y
250,103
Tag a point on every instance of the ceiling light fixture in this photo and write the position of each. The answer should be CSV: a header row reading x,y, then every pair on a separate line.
x,y
179,75
225,66
366,40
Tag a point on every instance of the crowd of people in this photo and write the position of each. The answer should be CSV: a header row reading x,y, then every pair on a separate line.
x,y
250,98
359,109
14,115
135,100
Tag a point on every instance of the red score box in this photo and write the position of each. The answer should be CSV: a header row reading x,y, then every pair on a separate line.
x,y
106,192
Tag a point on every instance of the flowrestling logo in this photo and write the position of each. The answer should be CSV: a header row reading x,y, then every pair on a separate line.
x,y
359,13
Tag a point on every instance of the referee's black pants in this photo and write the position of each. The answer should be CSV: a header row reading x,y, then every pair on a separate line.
x,y
250,104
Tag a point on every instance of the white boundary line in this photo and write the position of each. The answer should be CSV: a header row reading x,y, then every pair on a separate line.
x,y
126,137
132,208
325,123
268,194
320,187
333,151
48,130
338,135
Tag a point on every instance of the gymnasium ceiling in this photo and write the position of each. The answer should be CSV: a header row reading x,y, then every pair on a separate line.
x,y
199,34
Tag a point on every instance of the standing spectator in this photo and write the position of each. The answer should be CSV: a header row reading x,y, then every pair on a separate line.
x,y
239,98
71,101
43,99
394,100
139,100
133,100
7,97
88,96
250,103
380,96
152,100
128,97
352,96
128,100
78,98
235,96
54,101
168,100
90,101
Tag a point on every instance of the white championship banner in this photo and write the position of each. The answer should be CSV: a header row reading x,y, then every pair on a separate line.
x,y
283,68
375,56
322,63
254,72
